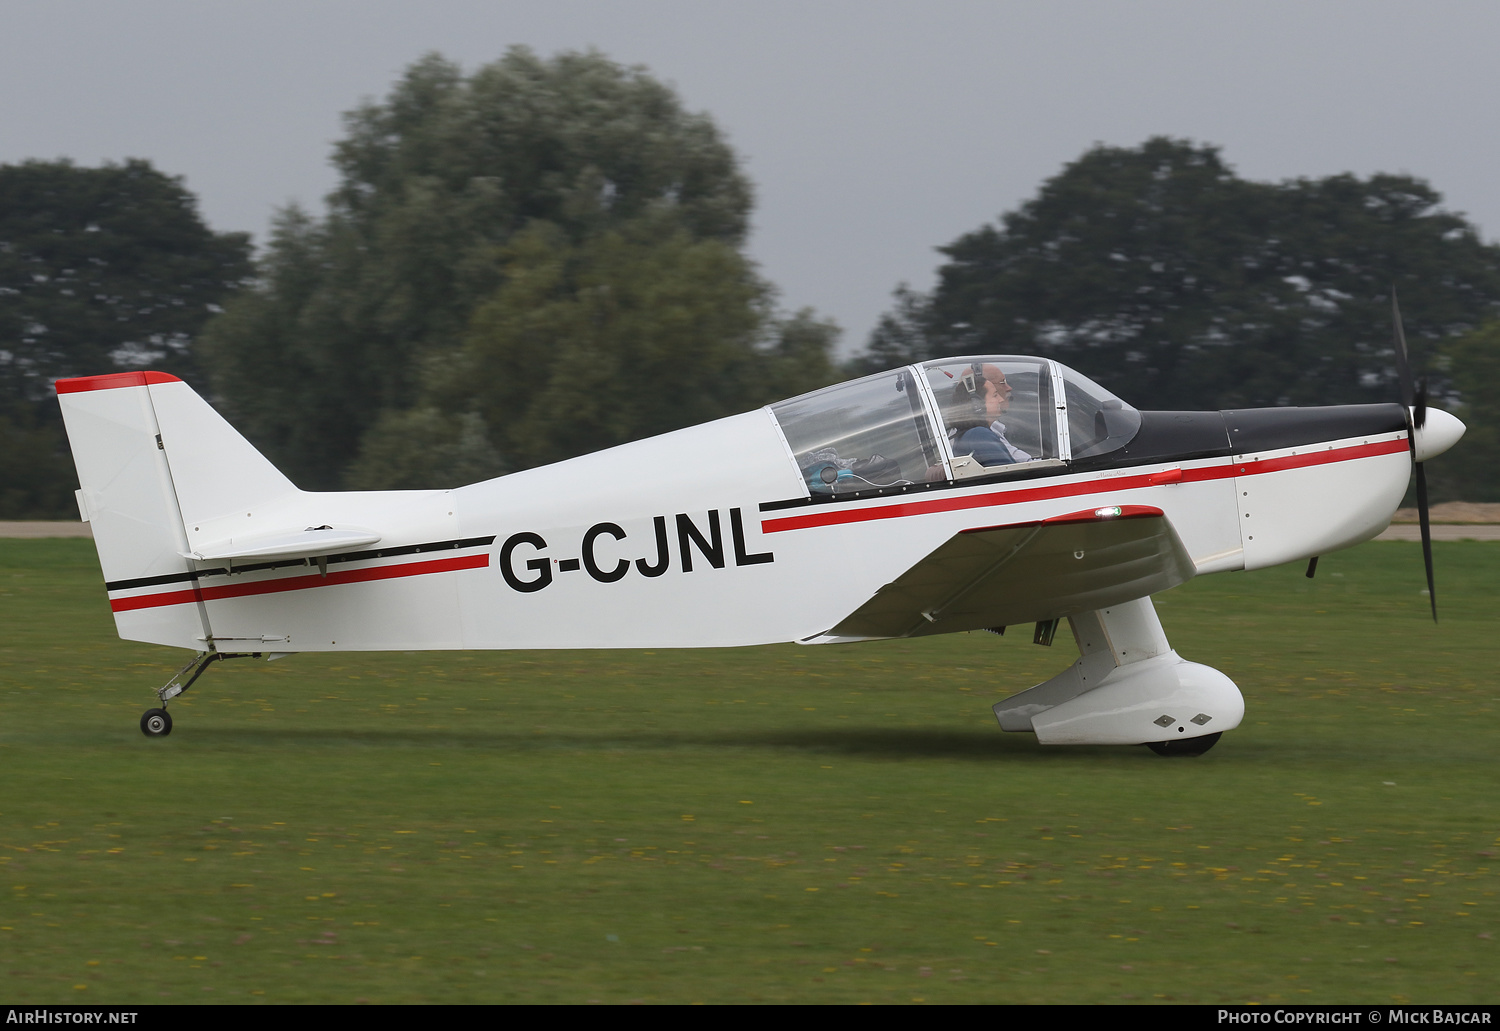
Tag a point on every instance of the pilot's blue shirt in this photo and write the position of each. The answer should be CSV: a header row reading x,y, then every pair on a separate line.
x,y
985,445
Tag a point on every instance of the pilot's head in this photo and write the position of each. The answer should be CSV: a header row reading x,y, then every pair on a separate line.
x,y
996,391
980,396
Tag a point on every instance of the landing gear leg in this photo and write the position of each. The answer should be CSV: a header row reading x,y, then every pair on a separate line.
x,y
157,722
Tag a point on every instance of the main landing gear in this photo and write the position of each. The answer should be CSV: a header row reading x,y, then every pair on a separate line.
x,y
158,722
1128,687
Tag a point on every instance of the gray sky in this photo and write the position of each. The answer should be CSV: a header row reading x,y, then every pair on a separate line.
x,y
874,130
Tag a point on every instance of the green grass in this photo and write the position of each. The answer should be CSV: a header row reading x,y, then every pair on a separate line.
x,y
838,824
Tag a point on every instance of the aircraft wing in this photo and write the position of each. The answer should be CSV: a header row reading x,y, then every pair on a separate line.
x,y
1027,572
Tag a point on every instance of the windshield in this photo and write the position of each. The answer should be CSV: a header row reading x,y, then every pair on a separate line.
x,y
862,435
1098,421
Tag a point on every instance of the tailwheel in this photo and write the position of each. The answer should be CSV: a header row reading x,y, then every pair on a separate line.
x,y
156,723
1191,746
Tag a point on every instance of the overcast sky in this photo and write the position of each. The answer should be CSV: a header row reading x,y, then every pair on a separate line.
x,y
873,131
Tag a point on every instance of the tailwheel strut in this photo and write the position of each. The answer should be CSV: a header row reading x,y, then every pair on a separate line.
x,y
158,722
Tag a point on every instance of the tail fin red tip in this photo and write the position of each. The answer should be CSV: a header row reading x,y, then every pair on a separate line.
x,y
112,380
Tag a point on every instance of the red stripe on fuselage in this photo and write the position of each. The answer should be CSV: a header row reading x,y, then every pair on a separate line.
x,y
299,583
1048,492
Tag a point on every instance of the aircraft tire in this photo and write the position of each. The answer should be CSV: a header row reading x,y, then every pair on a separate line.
x,y
1193,746
156,723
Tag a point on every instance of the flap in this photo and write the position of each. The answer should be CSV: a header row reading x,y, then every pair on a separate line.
x,y
1027,572
308,543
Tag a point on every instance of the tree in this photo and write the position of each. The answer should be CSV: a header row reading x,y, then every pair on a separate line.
x,y
36,471
1177,284
407,447
634,331
1471,471
104,269
101,270
462,199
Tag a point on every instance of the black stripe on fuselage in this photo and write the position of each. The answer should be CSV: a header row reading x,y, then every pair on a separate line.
x,y
1270,429
350,556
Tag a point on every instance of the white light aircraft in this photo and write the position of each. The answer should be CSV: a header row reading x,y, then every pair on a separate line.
x,y
970,493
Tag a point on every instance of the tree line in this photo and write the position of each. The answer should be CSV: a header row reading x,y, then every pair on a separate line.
x,y
1179,285
547,256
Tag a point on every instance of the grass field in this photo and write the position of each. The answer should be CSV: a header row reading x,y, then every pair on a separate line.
x,y
841,824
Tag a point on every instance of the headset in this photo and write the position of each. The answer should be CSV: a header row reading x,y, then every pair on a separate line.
x,y
971,378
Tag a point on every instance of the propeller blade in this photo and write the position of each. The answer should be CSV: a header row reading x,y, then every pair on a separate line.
x,y
1426,536
1414,397
1403,368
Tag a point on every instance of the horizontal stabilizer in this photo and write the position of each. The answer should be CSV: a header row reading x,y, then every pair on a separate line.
x,y
309,543
1027,572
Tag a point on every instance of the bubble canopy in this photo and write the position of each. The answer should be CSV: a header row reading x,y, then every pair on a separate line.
x,y
951,419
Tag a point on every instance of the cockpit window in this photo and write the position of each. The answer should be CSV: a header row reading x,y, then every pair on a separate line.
x,y
1098,421
863,435
996,411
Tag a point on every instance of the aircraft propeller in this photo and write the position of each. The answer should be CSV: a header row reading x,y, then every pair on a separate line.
x,y
1414,401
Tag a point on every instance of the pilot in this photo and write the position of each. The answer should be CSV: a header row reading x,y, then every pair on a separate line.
x,y
980,397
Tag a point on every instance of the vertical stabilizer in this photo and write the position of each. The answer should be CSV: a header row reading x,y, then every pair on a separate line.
x,y
128,498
